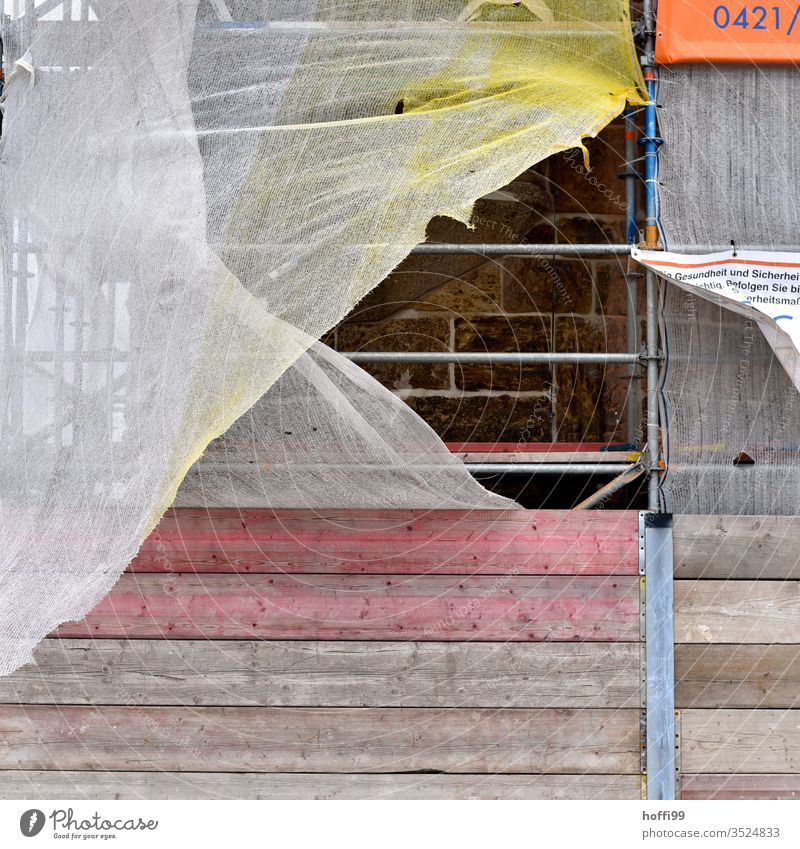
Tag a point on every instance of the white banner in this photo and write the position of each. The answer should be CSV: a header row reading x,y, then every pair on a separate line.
x,y
366,825
763,286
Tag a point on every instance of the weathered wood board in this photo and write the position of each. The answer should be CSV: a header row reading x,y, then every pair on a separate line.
x,y
737,658
370,607
200,785
339,674
737,547
737,676
741,787
343,740
740,741
737,611
294,654
478,542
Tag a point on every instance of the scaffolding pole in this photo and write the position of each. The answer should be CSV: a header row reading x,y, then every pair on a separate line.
x,y
651,142
549,251
550,468
653,359
631,177
487,358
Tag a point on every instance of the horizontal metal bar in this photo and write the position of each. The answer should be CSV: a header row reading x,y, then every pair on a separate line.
x,y
544,250
471,358
549,30
548,468
610,469
729,248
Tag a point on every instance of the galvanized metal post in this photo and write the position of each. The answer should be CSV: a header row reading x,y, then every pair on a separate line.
x,y
656,564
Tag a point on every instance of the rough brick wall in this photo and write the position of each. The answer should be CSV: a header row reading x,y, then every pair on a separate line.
x,y
469,303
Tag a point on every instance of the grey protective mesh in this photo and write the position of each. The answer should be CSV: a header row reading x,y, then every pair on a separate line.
x,y
728,173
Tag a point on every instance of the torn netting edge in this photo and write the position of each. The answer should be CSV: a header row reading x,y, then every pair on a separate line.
x,y
189,203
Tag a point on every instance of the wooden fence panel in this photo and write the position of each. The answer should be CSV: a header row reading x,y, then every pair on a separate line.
x,y
737,658
737,612
737,547
294,654
23,784
367,607
740,741
737,676
336,673
741,787
476,542
35,737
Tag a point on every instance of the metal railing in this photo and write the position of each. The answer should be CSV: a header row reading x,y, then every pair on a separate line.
x,y
489,358
521,249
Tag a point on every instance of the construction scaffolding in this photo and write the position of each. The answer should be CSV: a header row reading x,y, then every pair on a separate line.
x,y
643,356
321,627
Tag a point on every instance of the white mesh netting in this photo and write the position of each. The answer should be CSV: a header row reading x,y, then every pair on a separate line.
x,y
192,194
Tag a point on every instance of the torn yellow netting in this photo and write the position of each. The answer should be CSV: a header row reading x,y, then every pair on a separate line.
x,y
190,199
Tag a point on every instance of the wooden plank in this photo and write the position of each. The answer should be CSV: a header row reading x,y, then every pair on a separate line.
x,y
737,611
737,547
749,676
368,607
205,785
319,739
526,542
344,674
740,787
740,741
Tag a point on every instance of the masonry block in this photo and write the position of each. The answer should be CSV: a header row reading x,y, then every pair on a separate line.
x,y
413,334
500,334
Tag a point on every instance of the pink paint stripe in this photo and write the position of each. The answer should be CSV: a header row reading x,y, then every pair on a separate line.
x,y
386,607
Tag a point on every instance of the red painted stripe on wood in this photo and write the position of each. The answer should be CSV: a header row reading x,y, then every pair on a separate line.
x,y
740,787
484,542
366,607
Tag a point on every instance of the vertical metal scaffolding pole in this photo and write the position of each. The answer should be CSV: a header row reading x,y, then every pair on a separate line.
x,y
631,178
651,143
655,530
653,430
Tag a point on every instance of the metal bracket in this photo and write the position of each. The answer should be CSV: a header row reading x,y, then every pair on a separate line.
x,y
632,473
656,140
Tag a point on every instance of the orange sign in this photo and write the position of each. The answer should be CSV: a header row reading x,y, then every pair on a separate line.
x,y
734,31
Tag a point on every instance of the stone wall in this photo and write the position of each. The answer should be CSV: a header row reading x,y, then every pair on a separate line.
x,y
469,303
